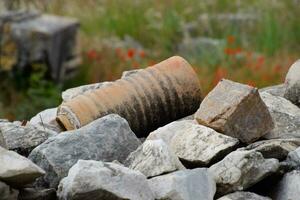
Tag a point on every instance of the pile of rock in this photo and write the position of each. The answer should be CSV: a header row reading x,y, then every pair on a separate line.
x,y
241,143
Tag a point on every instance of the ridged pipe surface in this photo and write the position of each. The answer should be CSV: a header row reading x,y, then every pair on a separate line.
x,y
147,99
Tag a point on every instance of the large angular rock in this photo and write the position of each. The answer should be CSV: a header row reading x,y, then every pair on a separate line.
x,y
108,138
23,139
275,148
243,196
153,158
17,170
241,169
197,145
37,194
167,132
47,120
184,185
94,180
7,193
288,187
285,115
292,82
235,110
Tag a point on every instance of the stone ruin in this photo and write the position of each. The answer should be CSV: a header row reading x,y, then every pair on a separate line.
x,y
152,135
28,38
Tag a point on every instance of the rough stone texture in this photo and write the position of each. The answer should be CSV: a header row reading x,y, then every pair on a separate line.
x,y
292,82
95,180
108,138
293,158
288,187
153,158
276,90
197,145
47,120
167,132
275,148
243,196
285,115
155,96
2,141
17,170
184,185
235,110
241,169
7,193
36,194
23,139
71,93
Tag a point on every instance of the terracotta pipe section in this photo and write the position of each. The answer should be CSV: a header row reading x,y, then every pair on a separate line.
x,y
147,99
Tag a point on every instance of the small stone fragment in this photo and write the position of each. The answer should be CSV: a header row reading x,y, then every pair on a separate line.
x,y
198,146
241,169
46,119
108,138
17,170
243,196
153,158
92,180
285,115
276,90
184,185
275,148
293,158
292,82
235,110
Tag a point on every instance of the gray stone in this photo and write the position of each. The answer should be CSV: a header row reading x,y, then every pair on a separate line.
x,y
184,185
2,141
74,92
276,90
293,158
46,119
23,139
37,194
167,132
7,193
292,82
241,169
235,110
197,145
153,158
285,115
275,148
94,180
17,170
288,187
243,196
108,138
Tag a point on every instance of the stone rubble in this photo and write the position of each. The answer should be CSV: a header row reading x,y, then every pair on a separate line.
x,y
153,158
184,185
247,139
235,110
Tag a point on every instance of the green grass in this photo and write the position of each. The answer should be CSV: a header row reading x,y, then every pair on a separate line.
x,y
266,48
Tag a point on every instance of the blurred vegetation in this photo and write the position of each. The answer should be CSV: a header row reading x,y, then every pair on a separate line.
x,y
256,52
